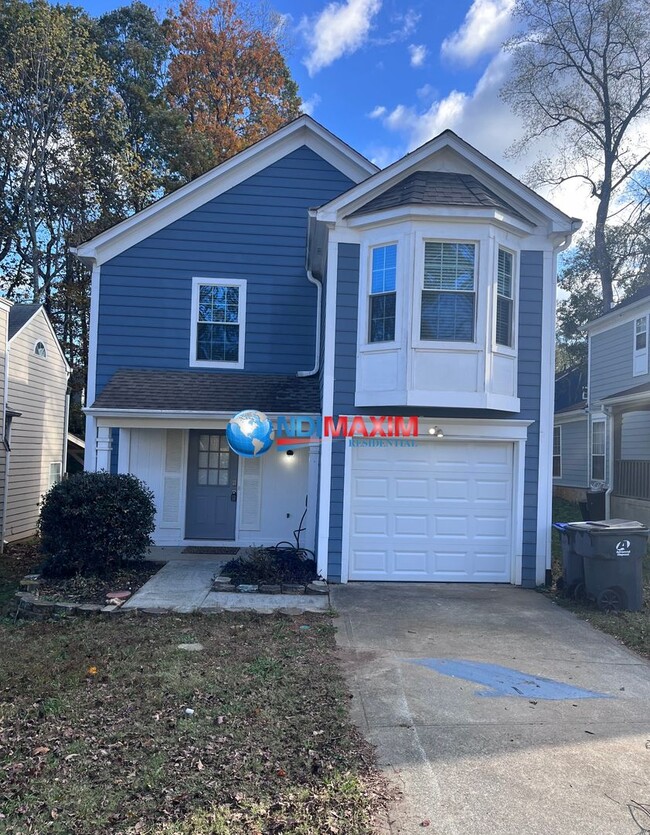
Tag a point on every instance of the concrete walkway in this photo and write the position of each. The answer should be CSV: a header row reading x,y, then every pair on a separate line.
x,y
183,585
476,748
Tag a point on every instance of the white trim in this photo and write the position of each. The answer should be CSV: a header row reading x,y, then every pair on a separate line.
x,y
93,328
461,429
432,214
327,406
302,131
638,398
90,451
50,328
197,283
615,317
363,193
546,419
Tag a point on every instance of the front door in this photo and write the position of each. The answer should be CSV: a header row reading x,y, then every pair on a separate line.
x,y
211,487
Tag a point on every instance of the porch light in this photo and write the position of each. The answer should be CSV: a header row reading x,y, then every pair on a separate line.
x,y
437,432
289,452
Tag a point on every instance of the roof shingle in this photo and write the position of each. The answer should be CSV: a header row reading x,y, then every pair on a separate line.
x,y
205,391
19,315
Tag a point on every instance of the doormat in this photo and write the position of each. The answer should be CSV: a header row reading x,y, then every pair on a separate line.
x,y
199,549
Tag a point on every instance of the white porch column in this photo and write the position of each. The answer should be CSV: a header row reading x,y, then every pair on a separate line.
x,y
104,445
91,444
312,497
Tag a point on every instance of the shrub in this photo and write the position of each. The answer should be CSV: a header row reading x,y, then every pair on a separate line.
x,y
271,565
91,523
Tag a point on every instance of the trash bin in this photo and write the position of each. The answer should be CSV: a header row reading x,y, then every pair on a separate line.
x,y
613,553
573,574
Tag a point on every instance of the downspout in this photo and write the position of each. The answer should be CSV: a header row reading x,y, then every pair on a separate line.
x,y
319,301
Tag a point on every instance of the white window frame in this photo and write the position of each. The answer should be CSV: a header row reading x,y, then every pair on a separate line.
x,y
51,482
370,294
438,344
557,455
639,355
198,282
497,346
36,344
602,454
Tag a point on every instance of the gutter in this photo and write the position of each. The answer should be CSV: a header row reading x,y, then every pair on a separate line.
x,y
319,302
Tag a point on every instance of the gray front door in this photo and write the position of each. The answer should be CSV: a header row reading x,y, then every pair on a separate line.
x,y
211,487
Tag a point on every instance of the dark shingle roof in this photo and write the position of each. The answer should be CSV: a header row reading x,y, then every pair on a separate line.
x,y
19,315
206,391
644,388
438,188
643,293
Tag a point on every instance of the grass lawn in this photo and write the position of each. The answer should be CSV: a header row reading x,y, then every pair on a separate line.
x,y
96,737
631,628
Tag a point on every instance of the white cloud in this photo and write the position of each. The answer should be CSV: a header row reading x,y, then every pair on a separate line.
x,y
418,54
340,29
487,24
309,105
482,119
377,112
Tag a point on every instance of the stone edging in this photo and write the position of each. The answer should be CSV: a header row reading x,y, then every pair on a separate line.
x,y
225,584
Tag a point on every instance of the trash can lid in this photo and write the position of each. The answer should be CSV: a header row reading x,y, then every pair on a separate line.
x,y
629,524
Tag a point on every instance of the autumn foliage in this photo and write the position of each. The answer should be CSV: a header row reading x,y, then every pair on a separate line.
x,y
229,79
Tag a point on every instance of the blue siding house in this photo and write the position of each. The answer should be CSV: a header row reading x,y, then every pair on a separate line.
x,y
404,316
603,441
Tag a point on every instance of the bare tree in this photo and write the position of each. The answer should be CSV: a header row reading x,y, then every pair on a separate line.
x,y
581,75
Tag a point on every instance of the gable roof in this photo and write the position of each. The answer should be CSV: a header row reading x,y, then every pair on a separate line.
x,y
302,131
19,315
496,177
207,391
437,188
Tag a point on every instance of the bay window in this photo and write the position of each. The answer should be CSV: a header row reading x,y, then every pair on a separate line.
x,y
383,284
448,292
505,301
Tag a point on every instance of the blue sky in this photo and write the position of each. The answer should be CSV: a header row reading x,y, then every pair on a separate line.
x,y
387,75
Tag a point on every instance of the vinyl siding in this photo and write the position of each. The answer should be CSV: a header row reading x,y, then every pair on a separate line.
x,y
611,362
575,462
635,436
4,324
528,383
37,389
255,231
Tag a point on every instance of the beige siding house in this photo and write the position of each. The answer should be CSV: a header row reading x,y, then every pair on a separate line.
x,y
35,415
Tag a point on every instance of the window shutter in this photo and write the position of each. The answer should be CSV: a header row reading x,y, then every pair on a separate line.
x,y
172,479
251,494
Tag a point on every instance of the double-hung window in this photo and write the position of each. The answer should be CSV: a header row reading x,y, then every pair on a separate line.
x,y
598,450
557,452
640,358
448,292
505,299
383,282
218,317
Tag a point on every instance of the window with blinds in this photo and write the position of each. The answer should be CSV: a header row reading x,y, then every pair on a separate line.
x,y
505,299
448,292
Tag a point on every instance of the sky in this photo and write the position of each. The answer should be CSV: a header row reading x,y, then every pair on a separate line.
x,y
387,75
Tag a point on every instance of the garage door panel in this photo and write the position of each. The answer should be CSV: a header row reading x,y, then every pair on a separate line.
x,y
450,522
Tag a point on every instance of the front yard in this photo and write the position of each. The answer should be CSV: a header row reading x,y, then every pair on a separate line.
x,y
631,628
107,726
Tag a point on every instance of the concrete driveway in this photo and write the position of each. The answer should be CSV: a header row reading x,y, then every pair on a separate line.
x,y
475,736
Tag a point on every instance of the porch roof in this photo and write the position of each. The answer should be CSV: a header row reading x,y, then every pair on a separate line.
x,y
635,394
199,391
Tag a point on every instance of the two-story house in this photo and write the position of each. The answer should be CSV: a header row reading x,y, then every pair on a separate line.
x,y
603,441
298,279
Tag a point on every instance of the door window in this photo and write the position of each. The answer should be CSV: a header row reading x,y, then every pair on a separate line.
x,y
214,460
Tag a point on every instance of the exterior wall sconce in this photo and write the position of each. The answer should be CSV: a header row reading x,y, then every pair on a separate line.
x,y
289,452
437,432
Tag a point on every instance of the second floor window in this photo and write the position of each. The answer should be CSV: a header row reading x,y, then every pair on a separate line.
x,y
218,318
640,358
505,303
448,292
383,283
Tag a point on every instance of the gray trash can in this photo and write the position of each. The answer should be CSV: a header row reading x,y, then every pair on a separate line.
x,y
573,573
613,553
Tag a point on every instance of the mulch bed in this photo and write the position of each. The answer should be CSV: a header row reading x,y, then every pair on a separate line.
x,y
94,589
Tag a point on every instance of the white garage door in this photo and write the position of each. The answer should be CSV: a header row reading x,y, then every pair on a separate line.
x,y
441,510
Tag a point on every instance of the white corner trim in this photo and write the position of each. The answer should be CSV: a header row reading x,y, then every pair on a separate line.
x,y
329,347
302,131
198,282
347,502
546,419
93,328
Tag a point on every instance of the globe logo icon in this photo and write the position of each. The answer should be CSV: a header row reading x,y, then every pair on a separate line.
x,y
250,433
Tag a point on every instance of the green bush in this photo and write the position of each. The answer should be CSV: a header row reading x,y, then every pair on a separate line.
x,y
90,523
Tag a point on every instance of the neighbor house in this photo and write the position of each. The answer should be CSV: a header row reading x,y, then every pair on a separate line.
x,y
298,279
33,393
603,442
